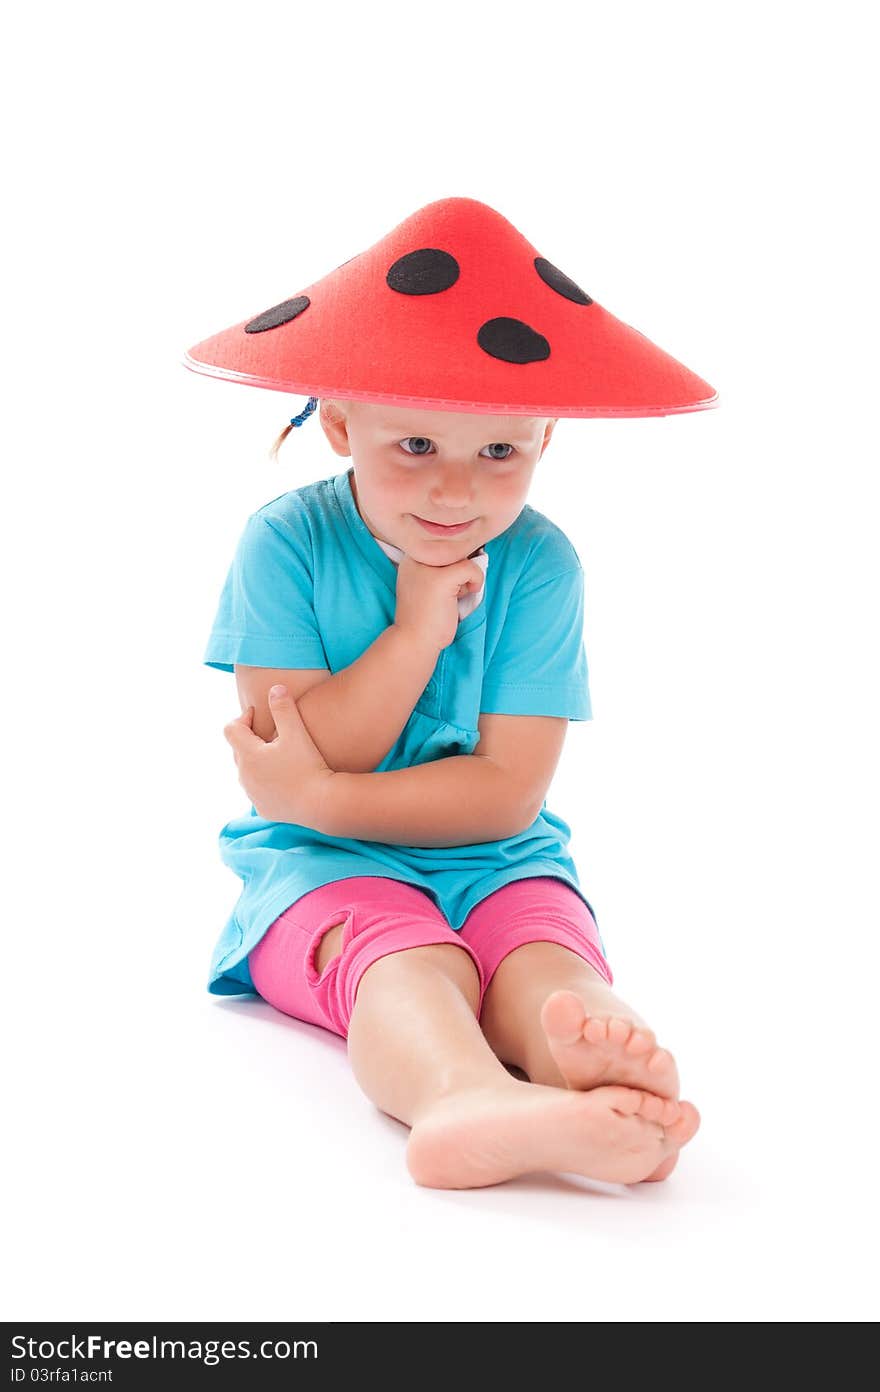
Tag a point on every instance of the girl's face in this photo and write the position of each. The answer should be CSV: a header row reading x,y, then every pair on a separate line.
x,y
437,465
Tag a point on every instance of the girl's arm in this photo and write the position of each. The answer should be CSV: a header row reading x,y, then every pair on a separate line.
x,y
462,800
356,715
458,801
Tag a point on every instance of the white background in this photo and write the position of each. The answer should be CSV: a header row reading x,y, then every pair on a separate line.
x,y
708,175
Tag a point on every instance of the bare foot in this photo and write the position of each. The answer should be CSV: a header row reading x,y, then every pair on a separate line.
x,y
487,1135
593,1050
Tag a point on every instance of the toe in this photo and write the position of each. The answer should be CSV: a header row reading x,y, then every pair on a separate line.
x,y
640,1042
619,1031
661,1061
661,1109
653,1108
596,1030
681,1131
632,1101
562,1017
627,1101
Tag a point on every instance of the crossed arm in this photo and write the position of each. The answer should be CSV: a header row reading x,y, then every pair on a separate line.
x,y
355,717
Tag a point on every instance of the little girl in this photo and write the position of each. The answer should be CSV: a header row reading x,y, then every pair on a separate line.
x,y
407,640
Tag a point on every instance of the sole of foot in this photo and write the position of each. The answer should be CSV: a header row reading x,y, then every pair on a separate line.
x,y
594,1050
488,1135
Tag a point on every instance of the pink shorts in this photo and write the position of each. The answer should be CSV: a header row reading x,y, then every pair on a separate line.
x,y
384,915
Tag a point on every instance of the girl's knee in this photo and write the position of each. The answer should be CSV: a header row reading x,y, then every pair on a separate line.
x,y
451,959
457,962
367,938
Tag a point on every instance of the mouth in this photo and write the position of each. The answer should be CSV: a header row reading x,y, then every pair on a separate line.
x,y
439,529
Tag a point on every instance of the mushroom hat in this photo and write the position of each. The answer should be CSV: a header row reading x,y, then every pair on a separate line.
x,y
454,309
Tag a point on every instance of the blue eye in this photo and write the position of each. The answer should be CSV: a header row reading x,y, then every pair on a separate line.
x,y
422,440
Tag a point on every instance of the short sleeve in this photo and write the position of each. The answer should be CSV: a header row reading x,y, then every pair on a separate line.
x,y
266,614
539,666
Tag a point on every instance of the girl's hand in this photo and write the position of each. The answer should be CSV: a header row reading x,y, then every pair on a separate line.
x,y
285,778
427,599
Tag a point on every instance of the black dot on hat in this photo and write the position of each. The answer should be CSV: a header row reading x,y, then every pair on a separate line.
x,y
423,272
562,284
278,315
512,341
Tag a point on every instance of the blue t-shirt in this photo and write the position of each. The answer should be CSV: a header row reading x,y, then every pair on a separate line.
x,y
310,586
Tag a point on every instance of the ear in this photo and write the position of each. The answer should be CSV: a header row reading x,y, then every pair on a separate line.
x,y
551,426
335,427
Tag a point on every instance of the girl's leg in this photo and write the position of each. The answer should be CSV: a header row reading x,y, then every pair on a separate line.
x,y
413,1037
419,1054
548,1005
410,1016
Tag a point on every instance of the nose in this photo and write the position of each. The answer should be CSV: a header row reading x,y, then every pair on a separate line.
x,y
452,489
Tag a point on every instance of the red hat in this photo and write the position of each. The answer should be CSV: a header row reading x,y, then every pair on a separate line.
x,y
454,310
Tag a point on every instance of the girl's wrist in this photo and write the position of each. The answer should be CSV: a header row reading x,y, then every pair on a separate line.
x,y
330,796
415,646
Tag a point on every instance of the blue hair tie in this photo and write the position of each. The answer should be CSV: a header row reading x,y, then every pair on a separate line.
x,y
304,415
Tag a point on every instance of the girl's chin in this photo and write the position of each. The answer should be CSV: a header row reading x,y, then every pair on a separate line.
x,y
442,551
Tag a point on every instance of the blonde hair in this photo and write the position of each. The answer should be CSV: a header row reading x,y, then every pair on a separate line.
x,y
340,406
